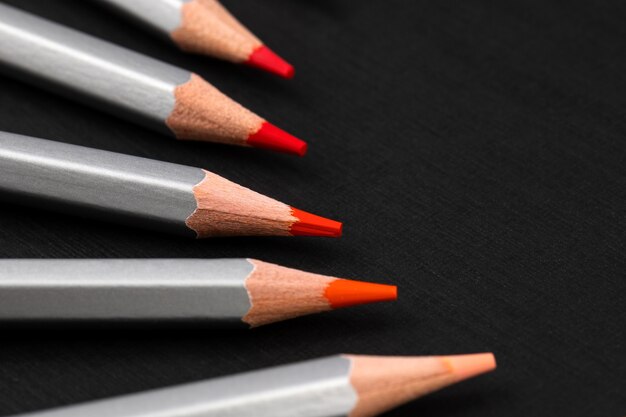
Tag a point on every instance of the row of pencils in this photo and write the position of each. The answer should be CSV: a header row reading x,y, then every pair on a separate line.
x,y
188,201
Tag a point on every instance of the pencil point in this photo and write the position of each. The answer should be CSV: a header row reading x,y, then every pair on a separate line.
x,y
345,293
276,139
383,383
311,225
264,58
468,366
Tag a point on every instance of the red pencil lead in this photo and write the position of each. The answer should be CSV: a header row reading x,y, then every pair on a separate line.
x,y
276,139
264,58
345,293
311,225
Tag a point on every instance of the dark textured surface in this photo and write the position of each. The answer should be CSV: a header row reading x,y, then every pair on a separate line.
x,y
474,149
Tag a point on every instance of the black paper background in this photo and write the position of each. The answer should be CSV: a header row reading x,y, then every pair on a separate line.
x,y
475,151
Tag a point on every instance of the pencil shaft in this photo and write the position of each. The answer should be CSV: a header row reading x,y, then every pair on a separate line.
x,y
96,72
318,388
162,16
337,386
125,290
98,183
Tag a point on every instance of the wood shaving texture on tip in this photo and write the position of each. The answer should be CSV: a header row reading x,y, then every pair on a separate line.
x,y
203,31
228,209
278,293
385,383
230,20
204,113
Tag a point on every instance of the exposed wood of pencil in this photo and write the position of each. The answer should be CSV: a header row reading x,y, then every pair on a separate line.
x,y
229,19
203,30
204,113
278,293
208,28
228,209
383,383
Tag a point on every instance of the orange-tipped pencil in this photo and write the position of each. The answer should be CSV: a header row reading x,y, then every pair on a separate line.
x,y
204,27
137,191
345,385
224,291
143,90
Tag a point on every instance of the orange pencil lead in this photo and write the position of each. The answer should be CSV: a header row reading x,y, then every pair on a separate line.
x,y
278,293
346,293
311,225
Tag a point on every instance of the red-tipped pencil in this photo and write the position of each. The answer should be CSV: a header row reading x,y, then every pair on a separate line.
x,y
176,198
205,27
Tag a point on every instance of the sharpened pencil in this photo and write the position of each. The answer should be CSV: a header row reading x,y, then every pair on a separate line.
x,y
224,291
204,27
160,96
337,386
142,192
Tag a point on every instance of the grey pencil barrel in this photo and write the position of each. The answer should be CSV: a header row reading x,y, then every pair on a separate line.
x,y
317,388
94,71
97,183
161,16
124,290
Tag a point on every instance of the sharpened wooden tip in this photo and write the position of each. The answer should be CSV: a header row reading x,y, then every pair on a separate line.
x,y
278,293
275,139
308,224
207,28
346,293
383,383
265,59
228,209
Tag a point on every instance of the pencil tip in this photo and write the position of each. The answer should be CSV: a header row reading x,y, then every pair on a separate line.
x,y
264,58
276,139
383,383
345,293
308,224
468,366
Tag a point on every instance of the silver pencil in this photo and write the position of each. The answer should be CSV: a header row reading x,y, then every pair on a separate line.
x,y
221,291
342,385
142,192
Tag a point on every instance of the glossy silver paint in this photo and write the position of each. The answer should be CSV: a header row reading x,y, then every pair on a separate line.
x,y
124,289
317,388
162,16
88,69
97,183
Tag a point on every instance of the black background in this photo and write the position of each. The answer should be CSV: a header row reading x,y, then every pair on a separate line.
x,y
475,151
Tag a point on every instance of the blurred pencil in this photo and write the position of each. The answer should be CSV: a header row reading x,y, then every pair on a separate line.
x,y
143,90
224,291
346,385
142,192
204,27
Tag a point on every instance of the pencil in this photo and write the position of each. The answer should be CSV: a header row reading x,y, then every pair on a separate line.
x,y
342,385
142,192
165,98
223,291
204,27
